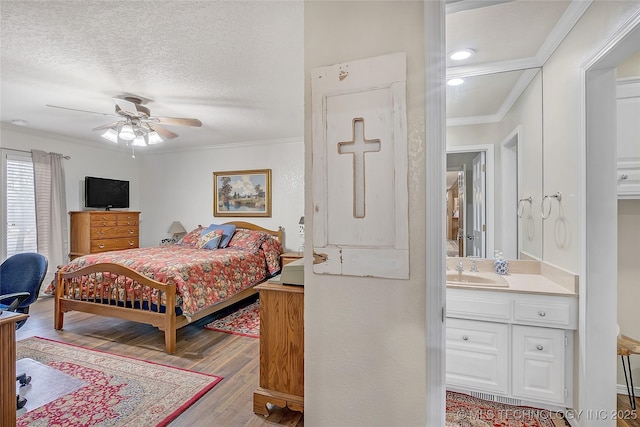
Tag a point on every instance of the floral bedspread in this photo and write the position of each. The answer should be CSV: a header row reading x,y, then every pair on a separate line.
x,y
203,277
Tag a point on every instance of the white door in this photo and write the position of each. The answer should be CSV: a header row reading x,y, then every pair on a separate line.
x,y
462,211
477,235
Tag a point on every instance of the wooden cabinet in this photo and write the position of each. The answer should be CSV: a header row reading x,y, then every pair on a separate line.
x,y
281,348
514,346
102,231
8,322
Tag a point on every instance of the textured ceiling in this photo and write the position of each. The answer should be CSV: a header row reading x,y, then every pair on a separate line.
x,y
235,65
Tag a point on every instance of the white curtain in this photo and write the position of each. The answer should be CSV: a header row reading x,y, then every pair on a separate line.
x,y
51,208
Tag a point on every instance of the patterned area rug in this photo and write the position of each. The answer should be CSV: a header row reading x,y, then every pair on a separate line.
x,y
245,321
118,390
468,411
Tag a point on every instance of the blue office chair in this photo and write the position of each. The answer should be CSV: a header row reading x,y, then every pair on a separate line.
x,y
21,277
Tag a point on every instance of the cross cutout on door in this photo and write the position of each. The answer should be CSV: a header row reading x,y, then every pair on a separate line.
x,y
358,147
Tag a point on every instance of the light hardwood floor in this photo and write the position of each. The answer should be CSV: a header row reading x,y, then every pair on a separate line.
x,y
233,357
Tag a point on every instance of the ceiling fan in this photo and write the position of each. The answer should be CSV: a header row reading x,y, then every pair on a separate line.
x,y
135,125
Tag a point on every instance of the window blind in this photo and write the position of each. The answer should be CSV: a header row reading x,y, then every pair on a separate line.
x,y
21,211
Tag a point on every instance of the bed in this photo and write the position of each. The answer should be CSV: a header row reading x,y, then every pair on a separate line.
x,y
140,284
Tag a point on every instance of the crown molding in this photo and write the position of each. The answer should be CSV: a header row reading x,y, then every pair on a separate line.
x,y
569,18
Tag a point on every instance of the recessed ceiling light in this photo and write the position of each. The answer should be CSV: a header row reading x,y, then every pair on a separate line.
x,y
455,82
460,54
19,122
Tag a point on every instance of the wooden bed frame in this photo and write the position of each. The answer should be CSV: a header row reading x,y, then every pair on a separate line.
x,y
66,297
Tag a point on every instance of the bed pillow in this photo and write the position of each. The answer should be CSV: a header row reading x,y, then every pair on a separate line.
x,y
210,239
248,240
272,249
192,237
227,232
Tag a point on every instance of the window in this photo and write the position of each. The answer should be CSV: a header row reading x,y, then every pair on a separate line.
x,y
19,214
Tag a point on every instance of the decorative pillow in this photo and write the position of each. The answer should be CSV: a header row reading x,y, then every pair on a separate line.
x,y
227,232
248,240
210,239
192,237
272,249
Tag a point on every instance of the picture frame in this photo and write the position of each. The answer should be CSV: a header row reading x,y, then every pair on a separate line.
x,y
244,193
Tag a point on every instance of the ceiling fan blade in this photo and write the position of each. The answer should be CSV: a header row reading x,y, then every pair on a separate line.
x,y
164,133
177,121
81,111
126,106
109,126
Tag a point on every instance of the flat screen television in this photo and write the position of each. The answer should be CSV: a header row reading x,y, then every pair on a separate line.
x,y
105,193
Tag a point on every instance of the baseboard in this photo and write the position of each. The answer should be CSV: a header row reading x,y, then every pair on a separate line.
x,y
622,389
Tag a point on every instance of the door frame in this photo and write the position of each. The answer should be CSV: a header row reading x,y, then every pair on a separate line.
x,y
598,216
489,198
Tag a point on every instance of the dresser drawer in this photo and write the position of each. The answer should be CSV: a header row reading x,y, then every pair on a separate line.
x,y
127,217
112,232
557,313
104,245
100,222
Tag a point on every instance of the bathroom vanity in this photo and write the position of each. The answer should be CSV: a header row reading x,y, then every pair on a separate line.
x,y
511,342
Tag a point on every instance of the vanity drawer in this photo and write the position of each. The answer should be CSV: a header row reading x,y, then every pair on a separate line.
x,y
550,312
492,307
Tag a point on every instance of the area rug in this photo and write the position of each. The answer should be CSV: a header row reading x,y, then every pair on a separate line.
x,y
245,321
468,411
118,390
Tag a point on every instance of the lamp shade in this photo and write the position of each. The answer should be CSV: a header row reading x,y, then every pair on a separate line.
x,y
176,228
127,133
111,135
301,220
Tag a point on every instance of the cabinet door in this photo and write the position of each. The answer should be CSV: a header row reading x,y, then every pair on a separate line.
x,y
628,128
539,363
477,355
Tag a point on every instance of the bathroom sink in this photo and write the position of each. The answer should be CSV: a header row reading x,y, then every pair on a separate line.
x,y
476,279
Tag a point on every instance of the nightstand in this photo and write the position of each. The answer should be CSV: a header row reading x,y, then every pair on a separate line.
x,y
288,257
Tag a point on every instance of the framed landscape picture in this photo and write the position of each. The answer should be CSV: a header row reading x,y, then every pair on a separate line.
x,y
242,193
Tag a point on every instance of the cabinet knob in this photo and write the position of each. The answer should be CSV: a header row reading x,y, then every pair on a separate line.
x,y
542,313
101,246
539,347
465,338
624,176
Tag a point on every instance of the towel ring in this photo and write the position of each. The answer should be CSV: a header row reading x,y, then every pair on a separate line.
x,y
557,196
521,205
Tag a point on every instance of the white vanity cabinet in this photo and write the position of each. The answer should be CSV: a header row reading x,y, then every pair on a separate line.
x,y
628,134
515,346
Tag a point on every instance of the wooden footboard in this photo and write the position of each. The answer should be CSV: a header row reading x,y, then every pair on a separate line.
x,y
129,299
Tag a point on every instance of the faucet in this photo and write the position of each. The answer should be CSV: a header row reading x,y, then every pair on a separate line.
x,y
459,266
474,266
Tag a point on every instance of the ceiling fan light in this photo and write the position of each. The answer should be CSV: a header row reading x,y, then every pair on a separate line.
x,y
154,138
127,133
111,135
139,141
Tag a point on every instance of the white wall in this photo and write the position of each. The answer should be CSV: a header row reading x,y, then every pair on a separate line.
x,y
563,126
178,186
365,347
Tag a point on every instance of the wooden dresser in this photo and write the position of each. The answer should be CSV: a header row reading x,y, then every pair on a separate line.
x,y
102,231
281,348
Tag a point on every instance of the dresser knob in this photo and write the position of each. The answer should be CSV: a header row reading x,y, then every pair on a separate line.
x,y
101,246
539,347
130,243
542,313
131,231
465,338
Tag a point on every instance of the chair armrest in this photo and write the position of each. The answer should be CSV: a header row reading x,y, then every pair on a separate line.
x,y
19,297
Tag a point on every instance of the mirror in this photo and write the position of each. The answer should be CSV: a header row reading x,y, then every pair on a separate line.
x,y
494,165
